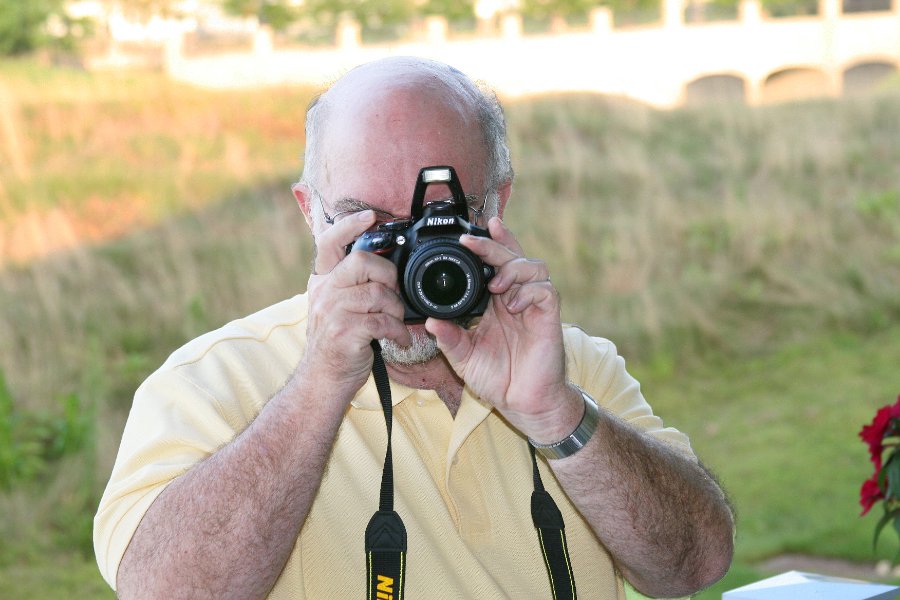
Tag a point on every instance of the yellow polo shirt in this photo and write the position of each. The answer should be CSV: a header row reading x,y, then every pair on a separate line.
x,y
462,486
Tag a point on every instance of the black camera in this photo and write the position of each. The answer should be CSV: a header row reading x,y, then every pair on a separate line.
x,y
439,277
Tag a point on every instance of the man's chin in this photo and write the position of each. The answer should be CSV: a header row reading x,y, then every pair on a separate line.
x,y
423,349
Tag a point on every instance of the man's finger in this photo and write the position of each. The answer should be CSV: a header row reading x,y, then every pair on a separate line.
x,y
382,325
331,245
519,270
540,294
500,233
361,267
452,340
369,298
488,250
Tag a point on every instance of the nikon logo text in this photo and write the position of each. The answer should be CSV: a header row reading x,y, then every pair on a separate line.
x,y
385,590
440,221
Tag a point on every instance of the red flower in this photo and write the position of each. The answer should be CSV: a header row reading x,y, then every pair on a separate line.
x,y
870,493
874,433
881,436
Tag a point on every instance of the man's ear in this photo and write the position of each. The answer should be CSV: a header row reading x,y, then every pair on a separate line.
x,y
503,193
304,197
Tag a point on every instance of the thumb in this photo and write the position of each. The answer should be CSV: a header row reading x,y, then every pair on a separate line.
x,y
453,341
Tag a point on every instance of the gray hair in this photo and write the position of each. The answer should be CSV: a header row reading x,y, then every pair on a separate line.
x,y
488,112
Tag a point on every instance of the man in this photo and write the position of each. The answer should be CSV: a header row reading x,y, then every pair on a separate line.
x,y
250,462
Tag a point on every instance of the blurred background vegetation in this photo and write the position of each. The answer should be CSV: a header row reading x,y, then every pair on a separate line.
x,y
746,261
50,26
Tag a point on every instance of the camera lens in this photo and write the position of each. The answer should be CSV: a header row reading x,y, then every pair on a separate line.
x,y
443,282
443,279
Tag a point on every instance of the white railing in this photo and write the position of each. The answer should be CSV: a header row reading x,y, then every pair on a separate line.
x,y
654,63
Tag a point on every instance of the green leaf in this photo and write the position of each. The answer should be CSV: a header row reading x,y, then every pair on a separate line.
x,y
896,529
896,558
893,476
888,516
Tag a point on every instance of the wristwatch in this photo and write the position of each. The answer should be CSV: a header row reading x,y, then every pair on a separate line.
x,y
578,438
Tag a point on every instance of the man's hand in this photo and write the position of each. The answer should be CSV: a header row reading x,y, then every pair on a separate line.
x,y
514,359
353,299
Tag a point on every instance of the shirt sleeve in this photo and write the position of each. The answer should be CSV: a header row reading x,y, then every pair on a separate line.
x,y
205,394
595,365
173,425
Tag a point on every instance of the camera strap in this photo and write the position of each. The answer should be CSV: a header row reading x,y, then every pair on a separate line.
x,y
548,521
385,534
385,538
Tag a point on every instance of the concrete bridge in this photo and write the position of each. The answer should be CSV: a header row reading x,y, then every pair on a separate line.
x,y
754,58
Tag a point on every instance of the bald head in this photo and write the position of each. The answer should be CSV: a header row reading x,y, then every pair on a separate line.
x,y
396,115
406,72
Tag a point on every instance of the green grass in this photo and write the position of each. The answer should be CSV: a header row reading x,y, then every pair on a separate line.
x,y
746,262
739,575
69,577
780,430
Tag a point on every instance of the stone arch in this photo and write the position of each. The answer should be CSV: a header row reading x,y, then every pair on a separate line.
x,y
858,6
794,83
719,87
865,76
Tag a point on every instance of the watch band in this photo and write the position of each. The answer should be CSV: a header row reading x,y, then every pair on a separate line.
x,y
578,438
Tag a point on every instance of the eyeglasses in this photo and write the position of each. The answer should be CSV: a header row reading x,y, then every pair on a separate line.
x,y
383,216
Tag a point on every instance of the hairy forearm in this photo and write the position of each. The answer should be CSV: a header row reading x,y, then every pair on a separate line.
x,y
662,516
226,527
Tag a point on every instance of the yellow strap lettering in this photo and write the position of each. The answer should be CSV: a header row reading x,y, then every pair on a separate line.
x,y
385,588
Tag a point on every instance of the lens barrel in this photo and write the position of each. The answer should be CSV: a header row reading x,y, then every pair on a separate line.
x,y
443,279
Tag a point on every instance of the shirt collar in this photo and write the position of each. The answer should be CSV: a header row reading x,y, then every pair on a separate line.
x,y
367,396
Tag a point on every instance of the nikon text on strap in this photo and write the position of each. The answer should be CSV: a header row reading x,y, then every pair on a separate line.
x,y
386,534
